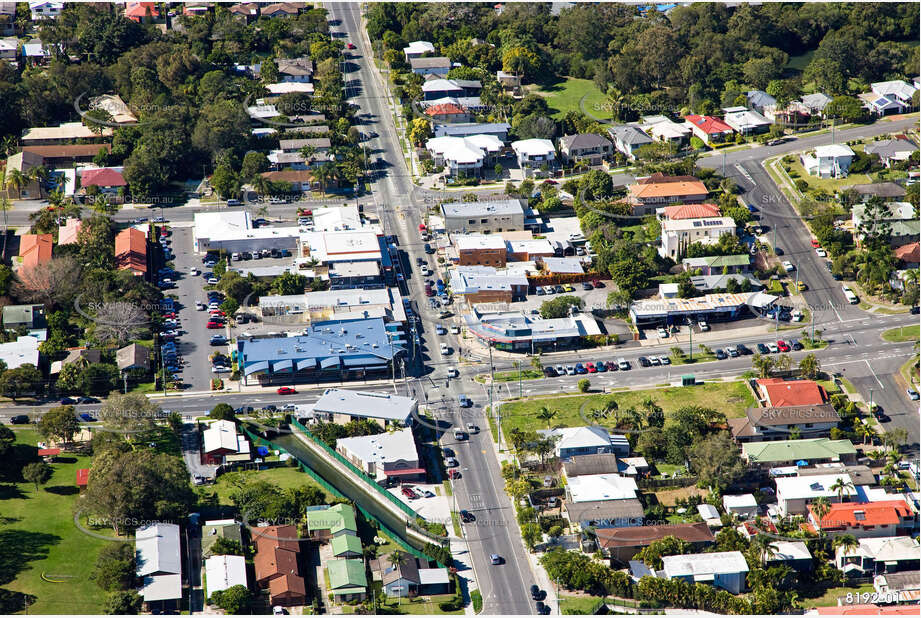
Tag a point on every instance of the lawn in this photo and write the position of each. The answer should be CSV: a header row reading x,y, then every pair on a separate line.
x,y
281,477
905,333
511,376
407,606
799,63
829,597
565,96
579,605
830,185
38,537
730,398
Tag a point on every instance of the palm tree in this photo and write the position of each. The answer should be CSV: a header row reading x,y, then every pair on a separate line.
x,y
40,175
809,366
15,179
323,174
261,185
765,546
846,541
863,431
546,414
783,362
840,486
821,507
763,365
397,556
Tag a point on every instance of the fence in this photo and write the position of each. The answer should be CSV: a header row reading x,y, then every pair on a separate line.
x,y
680,481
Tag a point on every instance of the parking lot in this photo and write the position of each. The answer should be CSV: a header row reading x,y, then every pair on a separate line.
x,y
435,508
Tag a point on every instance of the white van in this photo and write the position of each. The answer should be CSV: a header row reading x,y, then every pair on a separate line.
x,y
849,295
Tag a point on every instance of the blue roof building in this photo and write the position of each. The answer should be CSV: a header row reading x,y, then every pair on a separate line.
x,y
340,349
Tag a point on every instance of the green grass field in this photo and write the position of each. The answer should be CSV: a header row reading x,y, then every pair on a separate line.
x,y
730,398
564,96
799,63
283,478
829,597
908,333
38,537
831,185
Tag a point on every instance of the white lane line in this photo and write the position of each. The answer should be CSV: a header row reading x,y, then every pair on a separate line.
x,y
874,375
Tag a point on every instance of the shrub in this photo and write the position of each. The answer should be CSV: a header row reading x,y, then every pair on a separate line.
x,y
477,599
801,185
584,385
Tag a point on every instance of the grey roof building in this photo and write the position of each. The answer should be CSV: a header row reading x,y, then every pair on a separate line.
x,y
133,356
629,138
488,216
759,99
889,150
466,129
589,146
816,102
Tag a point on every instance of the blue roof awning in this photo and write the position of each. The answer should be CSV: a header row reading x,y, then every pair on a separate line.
x,y
332,361
282,365
259,366
361,361
307,363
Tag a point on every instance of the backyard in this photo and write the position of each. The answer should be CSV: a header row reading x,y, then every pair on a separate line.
x,y
42,552
730,398
282,477
566,96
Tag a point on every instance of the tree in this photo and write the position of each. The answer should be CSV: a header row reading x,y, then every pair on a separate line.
x,y
22,380
546,414
840,487
531,535
59,423
763,365
519,60
846,108
115,567
37,472
123,602
596,185
584,384
420,130
51,283
289,284
666,546
225,181
559,307
895,437
845,541
809,366
254,163
821,507
130,413
765,546
222,412
716,461
226,547
234,600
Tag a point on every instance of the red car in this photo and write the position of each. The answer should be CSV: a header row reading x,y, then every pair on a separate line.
x,y
212,325
816,243
591,367
164,233
421,227
453,473
350,46
782,345
286,390
169,316
409,493
217,313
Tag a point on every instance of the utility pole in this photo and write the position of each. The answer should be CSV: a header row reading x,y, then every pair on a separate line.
x,y
125,380
871,401
690,339
519,378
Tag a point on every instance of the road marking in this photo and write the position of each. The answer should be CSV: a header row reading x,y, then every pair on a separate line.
x,y
874,375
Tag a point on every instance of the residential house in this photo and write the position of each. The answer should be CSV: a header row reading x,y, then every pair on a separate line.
x,y
23,351
724,569
621,544
875,555
435,89
889,191
7,18
497,129
159,564
908,256
141,12
40,9
663,129
713,283
743,506
785,453
347,581
688,211
417,49
587,440
903,588
283,9
678,234
896,90
63,134
301,181
882,105
223,572
590,147
508,81
289,87
9,48
601,514
431,65
793,554
658,190
898,213
780,393
346,546
710,515
865,519
25,162
484,216
276,564
448,113
131,251
66,155
480,250
35,249
758,100
745,121
830,161
221,444
796,493
816,103
717,264
709,129
213,530
388,458
410,578
295,70
890,150
325,523
464,155
514,330
628,139
341,406
784,423
105,179
24,316
601,463
904,232
81,357
534,154
133,356
600,487
248,12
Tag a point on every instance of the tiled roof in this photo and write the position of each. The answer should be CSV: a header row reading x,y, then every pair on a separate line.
x,y
445,109
131,250
692,211
35,249
850,514
667,189
102,177
784,393
641,536
909,253
708,124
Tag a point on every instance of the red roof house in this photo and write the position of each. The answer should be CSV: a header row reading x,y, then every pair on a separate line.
x,y
103,177
131,251
139,11
865,519
83,477
910,254
448,112
780,393
708,128
691,211
35,249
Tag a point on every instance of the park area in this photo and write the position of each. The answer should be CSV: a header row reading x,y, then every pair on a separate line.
x,y
575,95
730,398
42,553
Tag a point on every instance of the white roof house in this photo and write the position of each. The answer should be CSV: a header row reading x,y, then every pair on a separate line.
x,y
794,492
220,436
595,487
716,568
829,161
709,514
336,218
785,551
417,48
366,405
887,550
471,242
158,561
534,150
20,352
743,505
896,88
816,102
579,440
381,448
745,120
65,131
222,572
289,87
664,129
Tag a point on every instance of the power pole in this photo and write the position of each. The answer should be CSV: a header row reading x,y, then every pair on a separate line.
x,y
690,340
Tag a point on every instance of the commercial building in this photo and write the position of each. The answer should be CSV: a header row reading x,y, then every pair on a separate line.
x,y
724,569
159,564
480,250
340,304
679,234
233,231
340,349
795,493
342,246
621,544
388,457
485,284
514,331
710,307
485,216
341,406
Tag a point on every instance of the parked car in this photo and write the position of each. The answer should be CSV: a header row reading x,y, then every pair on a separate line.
x,y
67,401
587,286
550,372
732,352
611,366
590,367
466,516
87,418
654,361
580,369
451,462
623,364
912,394
472,428
763,349
286,390
408,492
600,367
662,332
797,345
19,419
643,361
665,360
782,345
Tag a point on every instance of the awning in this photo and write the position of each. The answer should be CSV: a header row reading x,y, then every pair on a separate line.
x,y
404,472
327,363
259,366
282,365
307,363
802,463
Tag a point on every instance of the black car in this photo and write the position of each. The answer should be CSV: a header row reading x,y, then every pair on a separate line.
x,y
797,346
763,349
428,249
246,255
541,608
550,372
743,350
778,251
915,310
467,516
587,286
244,410
720,354
19,419
643,361
67,401
87,400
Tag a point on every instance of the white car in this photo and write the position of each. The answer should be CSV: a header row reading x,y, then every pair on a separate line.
x,y
570,370
773,348
560,370
212,280
200,306
425,271
444,349
235,257
819,251
453,372
662,333
194,271
703,325
455,330
788,266
220,369
472,428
